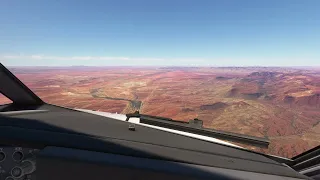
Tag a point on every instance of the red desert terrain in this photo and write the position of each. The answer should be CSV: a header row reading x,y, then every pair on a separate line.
x,y
282,104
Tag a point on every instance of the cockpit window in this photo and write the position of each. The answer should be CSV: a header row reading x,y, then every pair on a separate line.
x,y
249,67
4,100
280,104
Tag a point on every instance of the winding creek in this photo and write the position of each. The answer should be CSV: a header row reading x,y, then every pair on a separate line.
x,y
135,104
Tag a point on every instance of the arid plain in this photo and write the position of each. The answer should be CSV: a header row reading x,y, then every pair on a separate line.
x,y
282,104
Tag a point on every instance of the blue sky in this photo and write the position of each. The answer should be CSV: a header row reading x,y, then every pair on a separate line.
x,y
165,32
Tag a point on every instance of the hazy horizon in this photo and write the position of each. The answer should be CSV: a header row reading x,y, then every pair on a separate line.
x,y
181,66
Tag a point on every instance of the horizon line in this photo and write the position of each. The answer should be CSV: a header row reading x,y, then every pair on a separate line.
x,y
264,66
